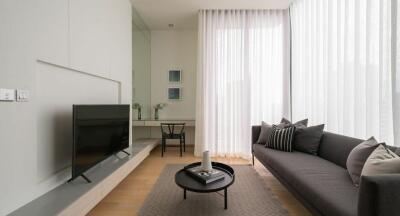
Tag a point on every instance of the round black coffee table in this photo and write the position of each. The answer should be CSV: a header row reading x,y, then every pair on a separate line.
x,y
185,181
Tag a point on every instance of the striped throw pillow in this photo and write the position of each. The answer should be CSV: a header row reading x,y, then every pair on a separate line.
x,y
281,138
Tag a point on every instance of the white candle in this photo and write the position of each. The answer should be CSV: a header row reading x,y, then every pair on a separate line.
x,y
206,163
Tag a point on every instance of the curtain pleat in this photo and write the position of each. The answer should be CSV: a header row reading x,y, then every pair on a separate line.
x,y
242,77
341,69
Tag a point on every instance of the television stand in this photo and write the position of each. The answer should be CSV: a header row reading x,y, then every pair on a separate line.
x,y
125,152
79,198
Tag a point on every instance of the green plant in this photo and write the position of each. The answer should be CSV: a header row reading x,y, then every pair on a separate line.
x,y
157,107
160,106
137,106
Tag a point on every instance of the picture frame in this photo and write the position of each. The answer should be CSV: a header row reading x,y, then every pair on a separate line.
x,y
174,93
175,76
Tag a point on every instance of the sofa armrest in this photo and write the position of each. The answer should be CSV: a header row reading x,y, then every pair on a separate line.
x,y
255,133
379,195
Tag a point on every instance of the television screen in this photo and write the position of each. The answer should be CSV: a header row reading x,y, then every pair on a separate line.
x,y
98,132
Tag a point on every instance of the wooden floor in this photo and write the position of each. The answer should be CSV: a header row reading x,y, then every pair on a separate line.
x,y
129,195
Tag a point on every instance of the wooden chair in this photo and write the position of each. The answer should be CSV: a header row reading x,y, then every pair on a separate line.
x,y
173,132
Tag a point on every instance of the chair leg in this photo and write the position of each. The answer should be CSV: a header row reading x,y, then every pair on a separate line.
x,y
184,143
180,146
164,143
162,147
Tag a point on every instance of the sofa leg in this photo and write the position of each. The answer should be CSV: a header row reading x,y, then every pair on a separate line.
x,y
253,157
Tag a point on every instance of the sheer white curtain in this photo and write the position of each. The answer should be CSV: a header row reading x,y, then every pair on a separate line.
x,y
242,77
341,68
396,69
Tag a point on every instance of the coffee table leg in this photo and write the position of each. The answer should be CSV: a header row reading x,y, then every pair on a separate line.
x,y
184,193
226,197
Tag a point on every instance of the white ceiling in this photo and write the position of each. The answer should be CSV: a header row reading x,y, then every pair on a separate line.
x,y
157,14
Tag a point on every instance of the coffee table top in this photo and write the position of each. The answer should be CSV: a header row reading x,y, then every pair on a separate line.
x,y
185,181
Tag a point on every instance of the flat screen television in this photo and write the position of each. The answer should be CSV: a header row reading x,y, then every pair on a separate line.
x,y
98,132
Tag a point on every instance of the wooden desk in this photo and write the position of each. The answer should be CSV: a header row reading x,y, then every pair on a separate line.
x,y
150,128
156,123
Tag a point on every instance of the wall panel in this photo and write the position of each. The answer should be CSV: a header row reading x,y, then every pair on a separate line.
x,y
90,36
52,48
53,31
57,89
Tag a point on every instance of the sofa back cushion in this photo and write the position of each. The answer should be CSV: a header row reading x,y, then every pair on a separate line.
x,y
255,133
394,149
336,148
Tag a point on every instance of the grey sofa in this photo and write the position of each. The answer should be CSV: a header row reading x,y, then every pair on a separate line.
x,y
322,182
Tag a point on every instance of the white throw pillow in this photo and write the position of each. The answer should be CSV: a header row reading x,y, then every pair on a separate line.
x,y
381,161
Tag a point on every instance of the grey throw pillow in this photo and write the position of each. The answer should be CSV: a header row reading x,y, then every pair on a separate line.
x,y
381,161
265,133
397,151
308,139
358,156
300,124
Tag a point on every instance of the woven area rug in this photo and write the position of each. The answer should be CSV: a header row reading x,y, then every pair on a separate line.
x,y
247,196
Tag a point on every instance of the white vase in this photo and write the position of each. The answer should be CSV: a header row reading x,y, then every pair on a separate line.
x,y
206,163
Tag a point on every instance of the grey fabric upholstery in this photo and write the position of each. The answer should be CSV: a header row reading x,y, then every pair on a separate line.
x,y
379,195
394,149
255,133
265,133
307,139
358,156
300,124
336,148
325,185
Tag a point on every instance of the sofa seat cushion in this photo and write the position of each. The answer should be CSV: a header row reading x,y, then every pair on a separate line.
x,y
323,184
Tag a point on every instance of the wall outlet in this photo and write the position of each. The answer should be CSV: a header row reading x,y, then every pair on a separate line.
x,y
22,95
7,94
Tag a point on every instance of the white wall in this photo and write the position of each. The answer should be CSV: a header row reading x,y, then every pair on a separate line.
x,y
63,52
174,49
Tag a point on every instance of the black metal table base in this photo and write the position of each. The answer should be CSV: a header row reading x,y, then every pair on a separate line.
x,y
225,197
187,183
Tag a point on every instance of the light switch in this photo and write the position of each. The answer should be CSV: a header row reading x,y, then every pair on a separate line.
x,y
7,94
22,95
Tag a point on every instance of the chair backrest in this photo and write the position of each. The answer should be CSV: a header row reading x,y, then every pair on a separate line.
x,y
171,128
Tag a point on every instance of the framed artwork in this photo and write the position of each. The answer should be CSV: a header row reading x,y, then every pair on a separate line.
x,y
174,93
175,76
